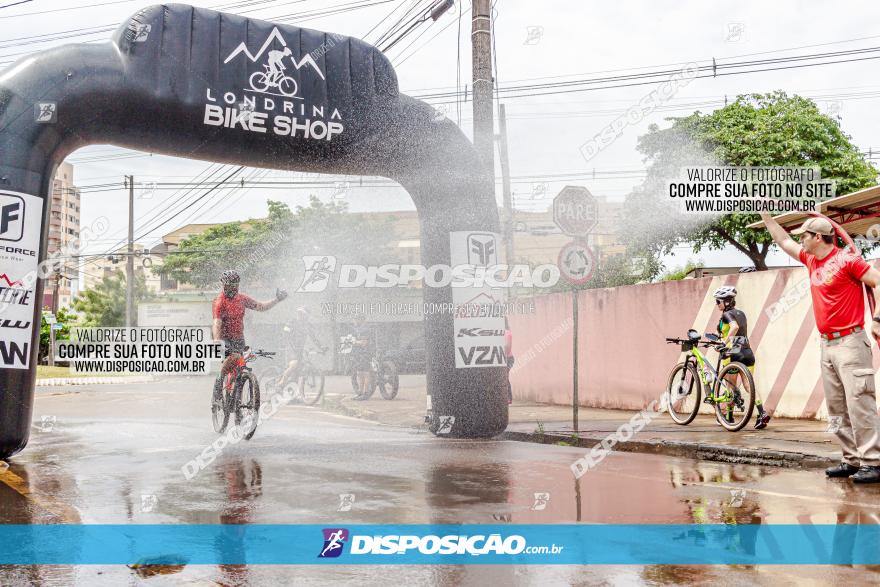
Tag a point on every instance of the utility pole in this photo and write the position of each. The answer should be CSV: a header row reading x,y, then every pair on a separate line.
x,y
56,290
505,182
129,262
481,48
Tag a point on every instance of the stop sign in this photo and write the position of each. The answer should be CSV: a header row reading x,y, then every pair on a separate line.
x,y
575,211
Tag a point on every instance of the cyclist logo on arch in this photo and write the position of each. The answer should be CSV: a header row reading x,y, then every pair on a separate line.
x,y
273,75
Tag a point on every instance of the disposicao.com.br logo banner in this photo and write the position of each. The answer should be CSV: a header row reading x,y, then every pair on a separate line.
x,y
569,544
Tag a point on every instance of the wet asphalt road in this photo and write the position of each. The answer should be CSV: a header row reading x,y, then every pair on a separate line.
x,y
113,454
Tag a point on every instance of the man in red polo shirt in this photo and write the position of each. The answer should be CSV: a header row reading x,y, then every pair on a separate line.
x,y
836,277
228,310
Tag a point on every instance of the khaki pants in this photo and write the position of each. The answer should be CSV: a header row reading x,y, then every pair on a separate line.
x,y
848,378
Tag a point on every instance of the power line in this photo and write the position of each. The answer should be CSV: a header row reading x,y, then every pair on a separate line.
x,y
166,207
88,31
420,17
595,84
401,22
15,3
208,192
679,64
386,17
53,10
426,43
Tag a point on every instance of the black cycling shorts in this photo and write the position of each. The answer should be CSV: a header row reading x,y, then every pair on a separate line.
x,y
746,357
233,346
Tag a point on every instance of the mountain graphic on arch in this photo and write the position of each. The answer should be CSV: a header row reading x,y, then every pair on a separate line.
x,y
275,35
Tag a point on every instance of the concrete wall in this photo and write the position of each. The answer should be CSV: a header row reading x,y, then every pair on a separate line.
x,y
623,361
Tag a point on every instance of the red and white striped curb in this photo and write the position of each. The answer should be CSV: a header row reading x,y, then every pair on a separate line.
x,y
56,381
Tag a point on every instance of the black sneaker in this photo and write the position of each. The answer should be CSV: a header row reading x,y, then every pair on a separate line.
x,y
761,421
841,470
867,475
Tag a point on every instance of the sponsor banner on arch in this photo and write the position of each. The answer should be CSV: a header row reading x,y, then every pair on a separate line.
x,y
479,310
20,219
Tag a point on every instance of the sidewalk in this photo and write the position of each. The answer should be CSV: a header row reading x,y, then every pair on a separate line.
x,y
784,443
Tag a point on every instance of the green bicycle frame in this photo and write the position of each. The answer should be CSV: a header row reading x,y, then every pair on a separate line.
x,y
702,367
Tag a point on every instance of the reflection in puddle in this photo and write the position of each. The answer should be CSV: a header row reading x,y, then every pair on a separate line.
x,y
170,564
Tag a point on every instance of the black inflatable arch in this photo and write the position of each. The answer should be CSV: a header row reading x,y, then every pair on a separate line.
x,y
166,82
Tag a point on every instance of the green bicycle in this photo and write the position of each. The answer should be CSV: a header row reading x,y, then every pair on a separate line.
x,y
731,387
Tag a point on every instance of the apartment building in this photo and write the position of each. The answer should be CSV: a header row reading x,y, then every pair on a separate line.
x,y
64,221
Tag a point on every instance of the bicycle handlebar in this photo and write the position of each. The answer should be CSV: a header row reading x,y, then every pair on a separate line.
x,y
705,343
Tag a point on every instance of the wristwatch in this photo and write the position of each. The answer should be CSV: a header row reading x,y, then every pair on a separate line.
x,y
876,318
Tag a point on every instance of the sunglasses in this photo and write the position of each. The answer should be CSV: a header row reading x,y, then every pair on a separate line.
x,y
718,302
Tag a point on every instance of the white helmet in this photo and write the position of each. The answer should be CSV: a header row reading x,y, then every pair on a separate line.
x,y
724,292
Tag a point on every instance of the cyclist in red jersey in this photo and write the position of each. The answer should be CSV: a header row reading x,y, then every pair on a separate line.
x,y
228,309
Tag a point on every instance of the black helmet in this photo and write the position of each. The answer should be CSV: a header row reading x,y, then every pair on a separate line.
x,y
229,277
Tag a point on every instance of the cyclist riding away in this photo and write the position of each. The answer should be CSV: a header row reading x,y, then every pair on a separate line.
x,y
228,309
298,334
734,331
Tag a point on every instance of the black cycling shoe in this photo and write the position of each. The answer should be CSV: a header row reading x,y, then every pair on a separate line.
x,y
761,421
841,470
867,475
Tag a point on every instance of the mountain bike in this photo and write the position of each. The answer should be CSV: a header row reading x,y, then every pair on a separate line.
x,y
310,378
386,377
238,393
386,373
308,385
731,388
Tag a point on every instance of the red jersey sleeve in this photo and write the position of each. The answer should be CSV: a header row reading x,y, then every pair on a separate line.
x,y
217,307
802,256
856,266
249,302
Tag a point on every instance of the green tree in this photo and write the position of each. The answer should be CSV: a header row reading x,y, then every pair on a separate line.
x,y
680,273
104,305
66,319
756,130
270,250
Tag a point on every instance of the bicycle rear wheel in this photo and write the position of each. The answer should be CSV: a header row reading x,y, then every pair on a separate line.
x,y
734,396
389,382
311,386
247,410
219,414
683,393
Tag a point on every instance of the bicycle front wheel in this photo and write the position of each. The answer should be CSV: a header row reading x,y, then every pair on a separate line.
x,y
311,386
734,396
219,414
247,413
683,394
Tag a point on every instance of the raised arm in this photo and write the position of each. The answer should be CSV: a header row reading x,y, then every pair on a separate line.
x,y
781,238
268,304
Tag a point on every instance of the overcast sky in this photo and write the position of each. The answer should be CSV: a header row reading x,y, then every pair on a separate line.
x,y
548,39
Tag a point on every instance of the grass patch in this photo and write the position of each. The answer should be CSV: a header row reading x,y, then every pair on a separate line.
x,y
47,372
